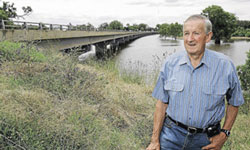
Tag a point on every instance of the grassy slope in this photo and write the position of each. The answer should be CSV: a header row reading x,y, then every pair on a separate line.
x,y
57,103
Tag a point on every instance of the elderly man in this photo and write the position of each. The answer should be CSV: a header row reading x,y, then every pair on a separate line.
x,y
191,91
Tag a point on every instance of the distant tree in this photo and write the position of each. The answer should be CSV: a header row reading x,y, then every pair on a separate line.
x,y
170,30
90,26
103,26
247,34
134,27
81,27
115,25
224,23
243,23
157,27
126,28
150,29
8,11
143,27
174,30
243,28
163,30
240,32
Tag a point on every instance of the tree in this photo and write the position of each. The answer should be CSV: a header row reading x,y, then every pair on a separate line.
x,y
172,30
224,23
163,29
126,28
134,27
143,27
103,26
157,27
115,25
244,24
244,73
90,26
81,27
8,11
3,15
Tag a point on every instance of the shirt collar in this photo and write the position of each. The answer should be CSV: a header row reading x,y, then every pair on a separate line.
x,y
204,60
184,59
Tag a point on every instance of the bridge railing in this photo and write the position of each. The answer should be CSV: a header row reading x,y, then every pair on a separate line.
x,y
7,24
21,25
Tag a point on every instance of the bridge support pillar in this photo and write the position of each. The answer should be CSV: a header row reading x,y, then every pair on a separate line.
x,y
107,49
100,50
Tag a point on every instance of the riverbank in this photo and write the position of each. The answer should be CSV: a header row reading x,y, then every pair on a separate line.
x,y
49,100
240,38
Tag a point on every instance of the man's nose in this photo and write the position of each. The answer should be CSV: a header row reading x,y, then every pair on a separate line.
x,y
190,37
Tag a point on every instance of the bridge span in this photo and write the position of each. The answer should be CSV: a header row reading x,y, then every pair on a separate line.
x,y
58,37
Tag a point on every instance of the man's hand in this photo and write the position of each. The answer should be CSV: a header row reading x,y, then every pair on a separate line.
x,y
159,117
217,142
154,146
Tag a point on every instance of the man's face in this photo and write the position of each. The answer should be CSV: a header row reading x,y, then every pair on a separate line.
x,y
195,37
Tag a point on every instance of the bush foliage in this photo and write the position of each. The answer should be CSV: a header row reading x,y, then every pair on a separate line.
x,y
25,53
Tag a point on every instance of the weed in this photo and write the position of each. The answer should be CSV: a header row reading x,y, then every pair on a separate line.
x,y
27,53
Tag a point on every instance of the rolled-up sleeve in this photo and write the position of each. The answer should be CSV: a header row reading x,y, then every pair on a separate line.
x,y
159,92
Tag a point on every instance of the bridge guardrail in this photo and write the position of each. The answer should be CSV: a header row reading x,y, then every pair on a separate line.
x,y
22,25
9,24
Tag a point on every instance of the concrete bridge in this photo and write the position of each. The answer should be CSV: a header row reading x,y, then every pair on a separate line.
x,y
68,37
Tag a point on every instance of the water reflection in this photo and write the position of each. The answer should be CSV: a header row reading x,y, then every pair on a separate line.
x,y
236,50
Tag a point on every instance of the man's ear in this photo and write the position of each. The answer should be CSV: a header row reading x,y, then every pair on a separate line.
x,y
209,37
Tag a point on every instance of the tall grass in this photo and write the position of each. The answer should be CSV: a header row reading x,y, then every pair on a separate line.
x,y
133,77
51,101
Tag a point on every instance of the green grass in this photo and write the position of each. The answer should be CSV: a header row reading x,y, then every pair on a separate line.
x,y
51,101
20,52
57,103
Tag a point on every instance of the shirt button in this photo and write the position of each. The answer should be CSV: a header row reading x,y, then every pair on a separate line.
x,y
190,107
189,118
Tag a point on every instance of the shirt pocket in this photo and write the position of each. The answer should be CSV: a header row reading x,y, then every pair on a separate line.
x,y
214,96
173,89
173,86
212,90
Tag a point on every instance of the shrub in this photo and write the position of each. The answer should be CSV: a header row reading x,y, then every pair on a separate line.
x,y
247,34
10,51
244,75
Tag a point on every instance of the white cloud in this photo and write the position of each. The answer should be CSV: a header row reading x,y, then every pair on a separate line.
x,y
126,11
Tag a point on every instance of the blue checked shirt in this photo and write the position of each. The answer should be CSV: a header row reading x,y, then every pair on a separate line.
x,y
196,96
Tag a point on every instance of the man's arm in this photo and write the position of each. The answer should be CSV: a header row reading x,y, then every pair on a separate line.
x,y
159,117
218,141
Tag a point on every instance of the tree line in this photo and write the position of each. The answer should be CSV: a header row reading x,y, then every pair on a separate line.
x,y
225,24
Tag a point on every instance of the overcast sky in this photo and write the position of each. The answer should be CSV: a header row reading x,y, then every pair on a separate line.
x,y
151,12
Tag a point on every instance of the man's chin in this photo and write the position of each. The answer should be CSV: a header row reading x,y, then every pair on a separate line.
x,y
191,51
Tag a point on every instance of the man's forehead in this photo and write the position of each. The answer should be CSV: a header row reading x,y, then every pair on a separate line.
x,y
194,24
195,21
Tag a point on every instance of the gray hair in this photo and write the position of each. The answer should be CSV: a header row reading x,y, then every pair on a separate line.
x,y
208,24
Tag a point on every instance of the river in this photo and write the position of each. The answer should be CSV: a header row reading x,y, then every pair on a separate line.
x,y
145,55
